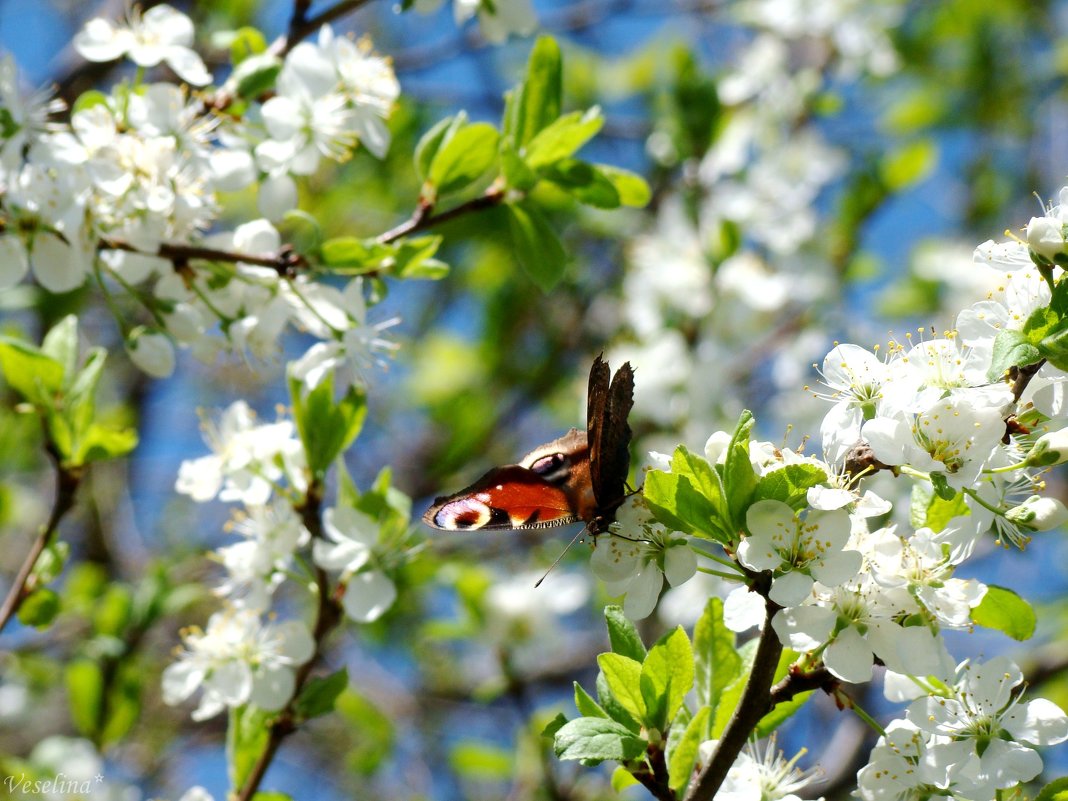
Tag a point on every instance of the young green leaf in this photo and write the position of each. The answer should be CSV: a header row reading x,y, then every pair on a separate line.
x,y
39,608
536,101
716,662
585,704
582,181
326,427
36,377
683,756
1011,349
463,158
623,634
246,737
623,676
610,704
61,343
632,189
597,739
667,674
430,142
321,693
789,484
1004,610
563,137
536,245
85,691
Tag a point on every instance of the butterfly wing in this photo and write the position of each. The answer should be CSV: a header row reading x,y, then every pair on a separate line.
x,y
609,433
509,497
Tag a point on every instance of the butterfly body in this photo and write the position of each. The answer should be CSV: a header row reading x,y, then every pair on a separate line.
x,y
579,476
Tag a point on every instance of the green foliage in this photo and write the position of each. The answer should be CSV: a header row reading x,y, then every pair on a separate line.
x,y
789,484
716,661
536,245
1056,790
408,258
1005,611
64,395
320,694
326,426
246,736
623,634
667,675
684,754
39,608
481,761
595,740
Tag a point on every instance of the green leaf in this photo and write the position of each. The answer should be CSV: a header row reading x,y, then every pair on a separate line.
x,y
255,75
585,704
326,428
112,612
623,634
667,675
321,693
563,137
123,702
36,377
597,739
1004,610
85,691
909,164
1056,790
101,443
717,664
622,779
536,101
613,707
517,175
430,142
1011,349
554,725
623,676
941,487
463,158
271,795
680,766
352,255
739,478
246,42
631,188
86,100
789,484
927,509
674,502
702,477
246,737
413,258
39,608
732,693
584,182
536,245
61,343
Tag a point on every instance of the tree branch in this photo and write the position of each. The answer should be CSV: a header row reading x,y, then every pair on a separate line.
x,y
753,705
285,261
327,617
423,216
67,481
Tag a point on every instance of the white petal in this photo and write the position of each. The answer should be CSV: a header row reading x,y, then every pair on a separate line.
x,y
1040,721
297,643
99,40
188,66
849,657
278,194
743,609
804,628
643,592
791,588
14,262
56,265
231,682
368,595
680,563
272,688
180,681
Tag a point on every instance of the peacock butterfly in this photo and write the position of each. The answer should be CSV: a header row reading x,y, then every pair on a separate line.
x,y
580,476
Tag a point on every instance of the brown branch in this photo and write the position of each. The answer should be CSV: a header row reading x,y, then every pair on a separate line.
x,y
285,261
298,30
327,617
753,705
67,481
797,682
423,216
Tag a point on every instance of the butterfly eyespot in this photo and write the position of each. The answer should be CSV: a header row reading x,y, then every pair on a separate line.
x,y
548,464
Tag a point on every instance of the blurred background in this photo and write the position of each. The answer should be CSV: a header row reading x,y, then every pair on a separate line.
x,y
821,172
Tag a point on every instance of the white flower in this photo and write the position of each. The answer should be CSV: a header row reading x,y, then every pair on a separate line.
x,y
799,550
247,459
370,84
196,793
349,548
856,378
151,351
256,565
24,117
238,660
499,21
161,34
981,706
637,567
908,765
760,773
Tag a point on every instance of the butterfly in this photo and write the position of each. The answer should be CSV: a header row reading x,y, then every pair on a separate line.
x,y
580,476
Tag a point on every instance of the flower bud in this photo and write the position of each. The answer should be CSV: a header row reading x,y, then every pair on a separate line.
x,y
1039,514
1045,236
151,351
716,447
1051,448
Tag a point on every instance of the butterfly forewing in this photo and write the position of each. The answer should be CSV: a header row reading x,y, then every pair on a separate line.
x,y
509,497
609,434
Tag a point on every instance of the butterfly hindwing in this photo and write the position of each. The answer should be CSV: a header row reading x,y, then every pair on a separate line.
x,y
509,497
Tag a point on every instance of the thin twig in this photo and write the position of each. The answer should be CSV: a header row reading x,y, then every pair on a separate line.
x,y
327,618
67,480
285,261
423,216
752,706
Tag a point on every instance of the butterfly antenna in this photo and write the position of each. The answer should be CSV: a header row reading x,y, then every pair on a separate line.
x,y
561,556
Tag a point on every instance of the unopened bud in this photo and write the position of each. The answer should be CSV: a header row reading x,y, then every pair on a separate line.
x,y
1039,514
152,352
1051,448
1045,236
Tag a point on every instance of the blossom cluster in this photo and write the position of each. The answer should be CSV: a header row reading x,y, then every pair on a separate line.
x,y
139,174
240,657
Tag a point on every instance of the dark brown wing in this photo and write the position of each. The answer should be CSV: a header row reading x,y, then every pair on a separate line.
x,y
609,433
